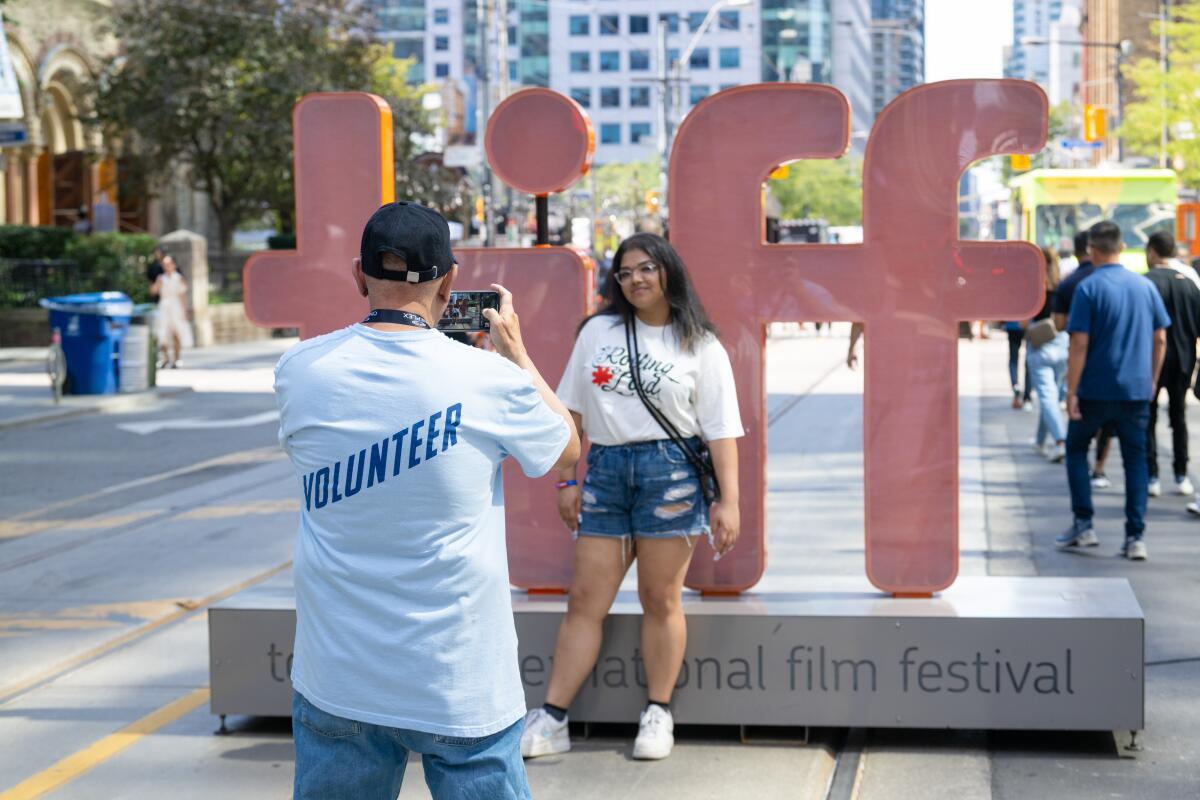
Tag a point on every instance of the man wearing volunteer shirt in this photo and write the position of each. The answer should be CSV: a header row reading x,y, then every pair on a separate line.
x,y
405,641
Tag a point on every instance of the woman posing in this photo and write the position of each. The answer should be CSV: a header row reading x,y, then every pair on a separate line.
x,y
642,498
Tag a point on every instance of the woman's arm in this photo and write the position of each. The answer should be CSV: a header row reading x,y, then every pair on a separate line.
x,y
156,287
725,516
570,498
856,332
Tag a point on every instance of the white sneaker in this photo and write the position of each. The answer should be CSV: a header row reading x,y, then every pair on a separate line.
x,y
1100,482
1154,488
1056,452
1193,508
1136,550
656,734
1184,486
544,735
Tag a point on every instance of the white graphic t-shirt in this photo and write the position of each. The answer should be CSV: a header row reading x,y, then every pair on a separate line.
x,y
695,390
402,597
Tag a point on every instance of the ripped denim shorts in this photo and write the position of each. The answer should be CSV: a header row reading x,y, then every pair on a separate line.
x,y
644,489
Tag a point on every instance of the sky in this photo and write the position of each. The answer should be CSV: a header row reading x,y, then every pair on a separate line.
x,y
965,38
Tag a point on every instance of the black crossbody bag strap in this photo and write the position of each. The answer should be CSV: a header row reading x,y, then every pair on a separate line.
x,y
704,469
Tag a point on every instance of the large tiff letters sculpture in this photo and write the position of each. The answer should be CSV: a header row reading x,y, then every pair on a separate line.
x,y
910,282
343,166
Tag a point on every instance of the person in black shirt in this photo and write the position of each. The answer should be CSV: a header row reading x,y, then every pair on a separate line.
x,y
1182,299
154,269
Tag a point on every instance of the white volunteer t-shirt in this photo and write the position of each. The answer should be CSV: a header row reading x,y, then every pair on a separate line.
x,y
402,594
695,390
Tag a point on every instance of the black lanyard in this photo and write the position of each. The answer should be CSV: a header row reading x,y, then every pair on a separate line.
x,y
396,317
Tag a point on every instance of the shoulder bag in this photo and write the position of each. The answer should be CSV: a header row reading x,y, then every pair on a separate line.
x,y
700,458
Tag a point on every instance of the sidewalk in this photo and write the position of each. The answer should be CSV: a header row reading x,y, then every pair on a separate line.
x,y
26,399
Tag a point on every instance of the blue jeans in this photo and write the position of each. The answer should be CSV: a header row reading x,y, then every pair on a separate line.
x,y
1130,418
343,759
1047,366
643,489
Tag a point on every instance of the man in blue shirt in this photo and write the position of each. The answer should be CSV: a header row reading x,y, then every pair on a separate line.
x,y
1118,337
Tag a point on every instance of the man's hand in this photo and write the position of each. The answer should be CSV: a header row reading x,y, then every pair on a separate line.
x,y
726,526
570,502
1073,407
506,328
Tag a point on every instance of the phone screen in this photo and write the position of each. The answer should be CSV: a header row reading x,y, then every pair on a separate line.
x,y
465,311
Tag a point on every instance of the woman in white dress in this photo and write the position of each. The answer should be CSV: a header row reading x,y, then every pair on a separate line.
x,y
173,330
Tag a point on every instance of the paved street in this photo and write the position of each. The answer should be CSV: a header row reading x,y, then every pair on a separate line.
x,y
118,529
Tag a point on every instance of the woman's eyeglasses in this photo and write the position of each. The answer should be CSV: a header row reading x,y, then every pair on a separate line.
x,y
646,269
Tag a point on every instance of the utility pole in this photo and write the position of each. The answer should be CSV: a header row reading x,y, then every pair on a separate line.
x,y
483,19
664,121
1163,66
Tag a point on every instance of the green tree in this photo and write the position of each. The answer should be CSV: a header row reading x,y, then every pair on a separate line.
x,y
823,188
209,87
1170,98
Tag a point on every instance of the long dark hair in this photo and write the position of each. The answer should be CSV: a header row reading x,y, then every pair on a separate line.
x,y
688,318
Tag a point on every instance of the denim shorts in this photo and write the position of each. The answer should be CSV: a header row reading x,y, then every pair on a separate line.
x,y
645,489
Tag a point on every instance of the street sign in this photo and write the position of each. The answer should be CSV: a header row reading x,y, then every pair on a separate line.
x,y
1094,127
13,133
1079,143
459,155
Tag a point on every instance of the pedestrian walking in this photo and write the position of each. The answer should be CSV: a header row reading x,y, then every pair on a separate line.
x,y
405,641
154,269
1062,307
1046,349
1181,297
650,384
1118,338
172,327
1016,337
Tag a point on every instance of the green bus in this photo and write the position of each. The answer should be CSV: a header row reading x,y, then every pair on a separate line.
x,y
1049,206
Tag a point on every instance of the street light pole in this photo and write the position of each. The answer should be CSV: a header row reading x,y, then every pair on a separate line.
x,y
664,121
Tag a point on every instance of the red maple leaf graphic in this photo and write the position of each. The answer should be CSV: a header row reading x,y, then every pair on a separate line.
x,y
601,376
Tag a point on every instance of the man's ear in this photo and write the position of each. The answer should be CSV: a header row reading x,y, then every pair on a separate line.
x,y
447,284
360,279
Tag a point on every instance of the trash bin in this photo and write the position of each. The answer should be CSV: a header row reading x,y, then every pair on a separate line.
x,y
136,362
92,326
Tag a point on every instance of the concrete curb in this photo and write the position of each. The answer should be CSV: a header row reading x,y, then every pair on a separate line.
x,y
103,404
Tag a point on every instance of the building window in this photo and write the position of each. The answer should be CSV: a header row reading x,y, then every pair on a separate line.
x,y
610,25
639,60
639,96
638,131
731,58
610,133
671,21
610,97
610,61
672,56
580,25
512,71
441,70
729,21
441,43
699,59
695,20
441,16
697,92
512,35
582,96
639,23
725,86
581,62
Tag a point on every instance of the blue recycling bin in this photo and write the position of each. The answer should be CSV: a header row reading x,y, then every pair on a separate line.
x,y
92,326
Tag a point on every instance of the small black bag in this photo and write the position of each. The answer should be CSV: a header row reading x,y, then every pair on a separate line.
x,y
700,458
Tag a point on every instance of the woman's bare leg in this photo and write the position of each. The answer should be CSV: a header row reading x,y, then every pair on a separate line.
x,y
662,566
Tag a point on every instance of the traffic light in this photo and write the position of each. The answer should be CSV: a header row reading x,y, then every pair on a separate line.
x,y
1093,124
1020,163
651,201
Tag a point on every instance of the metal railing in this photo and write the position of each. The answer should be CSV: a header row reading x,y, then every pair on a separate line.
x,y
24,281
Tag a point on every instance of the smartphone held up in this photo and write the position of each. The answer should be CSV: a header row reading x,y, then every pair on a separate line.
x,y
464,313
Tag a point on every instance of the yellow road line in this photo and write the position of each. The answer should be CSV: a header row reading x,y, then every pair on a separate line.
x,y
253,456
71,767
9,692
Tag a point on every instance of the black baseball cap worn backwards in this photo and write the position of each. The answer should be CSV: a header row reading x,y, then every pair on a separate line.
x,y
417,234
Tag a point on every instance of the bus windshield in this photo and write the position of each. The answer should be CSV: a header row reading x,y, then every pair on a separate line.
x,y
1058,224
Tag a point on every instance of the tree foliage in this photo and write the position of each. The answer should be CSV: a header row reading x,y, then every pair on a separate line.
x,y
821,188
209,88
1171,97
